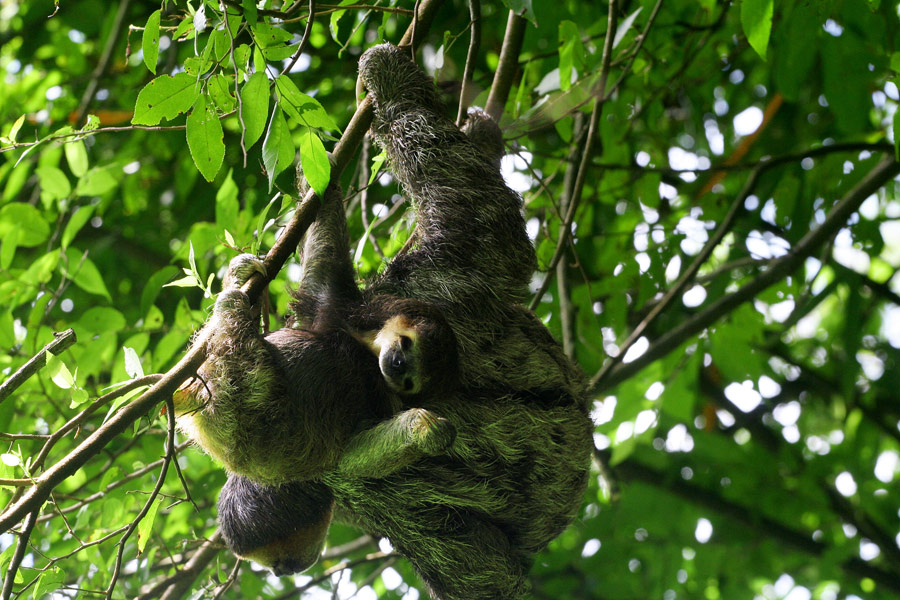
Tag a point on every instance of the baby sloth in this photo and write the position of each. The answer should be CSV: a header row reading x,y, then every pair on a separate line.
x,y
283,407
321,395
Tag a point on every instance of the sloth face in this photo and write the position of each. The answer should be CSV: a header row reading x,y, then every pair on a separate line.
x,y
400,356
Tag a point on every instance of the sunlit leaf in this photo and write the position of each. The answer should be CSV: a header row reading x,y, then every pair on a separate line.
x,y
314,159
205,138
278,147
254,107
756,18
165,97
150,41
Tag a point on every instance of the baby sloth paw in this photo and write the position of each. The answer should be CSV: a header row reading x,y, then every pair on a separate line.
x,y
241,268
433,434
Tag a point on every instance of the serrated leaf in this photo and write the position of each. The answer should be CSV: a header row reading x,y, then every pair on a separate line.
x,y
33,229
76,156
220,92
205,138
278,147
756,19
150,41
314,159
76,222
133,363
254,107
305,109
165,97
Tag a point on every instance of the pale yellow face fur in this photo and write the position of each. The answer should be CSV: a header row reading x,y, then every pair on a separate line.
x,y
388,336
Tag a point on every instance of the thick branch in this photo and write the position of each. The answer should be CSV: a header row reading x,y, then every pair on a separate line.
x,y
509,64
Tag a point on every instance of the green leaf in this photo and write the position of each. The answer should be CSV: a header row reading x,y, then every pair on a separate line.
x,y
165,97
78,219
205,138
145,527
41,270
305,109
150,41
314,159
522,8
254,107
48,582
96,182
756,19
53,182
377,164
249,8
154,285
278,147
14,130
101,319
85,274
58,372
220,92
570,43
76,156
227,206
33,229
133,363
896,128
8,247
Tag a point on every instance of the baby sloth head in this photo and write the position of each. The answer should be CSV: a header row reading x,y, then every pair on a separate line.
x,y
416,348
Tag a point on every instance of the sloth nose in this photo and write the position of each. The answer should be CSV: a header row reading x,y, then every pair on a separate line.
x,y
398,362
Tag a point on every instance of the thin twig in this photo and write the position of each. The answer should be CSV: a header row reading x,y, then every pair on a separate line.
x,y
61,341
310,18
471,57
599,99
104,61
18,555
87,412
169,456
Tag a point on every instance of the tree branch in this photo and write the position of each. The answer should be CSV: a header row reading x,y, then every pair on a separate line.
x,y
61,341
471,57
631,470
778,269
509,64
